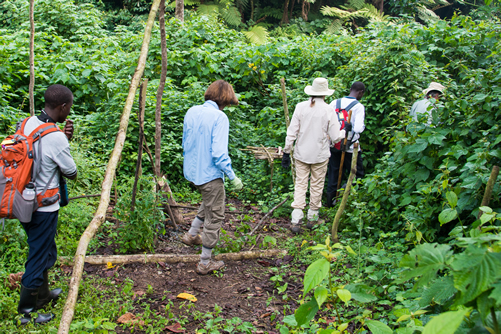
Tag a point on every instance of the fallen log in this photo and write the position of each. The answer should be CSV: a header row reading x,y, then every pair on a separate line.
x,y
173,258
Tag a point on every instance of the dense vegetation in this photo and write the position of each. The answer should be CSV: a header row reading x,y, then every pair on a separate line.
x,y
424,185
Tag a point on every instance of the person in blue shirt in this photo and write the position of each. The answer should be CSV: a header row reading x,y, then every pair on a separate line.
x,y
206,161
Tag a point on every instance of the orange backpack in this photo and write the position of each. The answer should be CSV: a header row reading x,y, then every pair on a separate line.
x,y
20,165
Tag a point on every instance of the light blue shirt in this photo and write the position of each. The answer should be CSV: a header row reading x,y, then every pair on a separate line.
x,y
205,144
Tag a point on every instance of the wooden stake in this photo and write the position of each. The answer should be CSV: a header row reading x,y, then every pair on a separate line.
x,y
288,122
31,87
488,188
90,231
340,210
140,116
175,258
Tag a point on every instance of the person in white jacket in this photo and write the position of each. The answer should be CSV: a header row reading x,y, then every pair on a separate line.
x,y
313,127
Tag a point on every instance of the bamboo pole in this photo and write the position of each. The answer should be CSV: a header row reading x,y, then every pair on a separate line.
x,y
140,116
288,122
340,210
175,258
31,87
90,231
488,188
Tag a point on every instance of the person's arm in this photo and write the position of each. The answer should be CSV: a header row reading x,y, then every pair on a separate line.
x,y
66,164
292,132
220,154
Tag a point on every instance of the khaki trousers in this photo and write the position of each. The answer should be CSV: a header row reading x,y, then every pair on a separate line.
x,y
211,211
317,180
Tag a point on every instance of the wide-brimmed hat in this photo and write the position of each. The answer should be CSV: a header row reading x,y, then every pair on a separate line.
x,y
434,86
320,87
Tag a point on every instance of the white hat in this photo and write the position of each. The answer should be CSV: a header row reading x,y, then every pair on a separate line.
x,y
434,86
320,87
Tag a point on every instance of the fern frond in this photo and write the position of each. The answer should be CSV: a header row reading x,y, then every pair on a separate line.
x,y
426,14
335,27
189,2
242,3
231,15
269,11
334,11
356,4
208,9
257,35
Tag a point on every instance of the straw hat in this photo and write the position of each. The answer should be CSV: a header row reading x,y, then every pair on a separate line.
x,y
320,87
434,86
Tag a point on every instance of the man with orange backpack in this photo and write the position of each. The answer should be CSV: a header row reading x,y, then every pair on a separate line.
x,y
354,127
49,153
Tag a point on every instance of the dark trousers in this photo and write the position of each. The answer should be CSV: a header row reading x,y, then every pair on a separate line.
x,y
42,255
334,165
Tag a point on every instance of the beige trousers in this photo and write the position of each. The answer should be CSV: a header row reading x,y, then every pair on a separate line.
x,y
211,211
317,180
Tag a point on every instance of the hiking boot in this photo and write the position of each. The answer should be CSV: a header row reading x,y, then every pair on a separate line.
x,y
204,269
295,228
27,304
190,240
311,223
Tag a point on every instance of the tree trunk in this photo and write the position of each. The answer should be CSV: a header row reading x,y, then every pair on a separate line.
x,y
31,87
285,17
69,307
180,10
346,194
140,114
287,123
175,258
177,217
488,188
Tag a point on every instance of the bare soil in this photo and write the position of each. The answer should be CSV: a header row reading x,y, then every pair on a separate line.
x,y
243,289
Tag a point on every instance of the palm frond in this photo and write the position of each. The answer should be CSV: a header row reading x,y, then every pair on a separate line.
x,y
356,4
257,35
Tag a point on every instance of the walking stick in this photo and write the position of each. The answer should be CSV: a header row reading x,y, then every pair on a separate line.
x,y
341,164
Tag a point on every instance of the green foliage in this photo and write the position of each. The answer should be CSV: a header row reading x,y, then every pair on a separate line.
x,y
138,229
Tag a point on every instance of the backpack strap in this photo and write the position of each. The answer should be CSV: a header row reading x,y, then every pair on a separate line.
x,y
351,105
338,107
37,134
21,124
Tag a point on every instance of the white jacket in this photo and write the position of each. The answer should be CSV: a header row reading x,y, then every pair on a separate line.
x,y
311,128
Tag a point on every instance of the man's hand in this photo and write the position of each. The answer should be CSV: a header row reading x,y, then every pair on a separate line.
x,y
347,126
237,184
286,160
68,129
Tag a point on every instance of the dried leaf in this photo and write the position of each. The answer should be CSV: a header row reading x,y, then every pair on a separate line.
x,y
176,328
129,318
187,296
13,280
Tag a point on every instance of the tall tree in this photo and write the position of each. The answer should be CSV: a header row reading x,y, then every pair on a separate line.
x,y
180,10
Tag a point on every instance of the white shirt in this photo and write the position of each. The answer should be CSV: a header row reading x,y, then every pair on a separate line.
x,y
311,128
357,120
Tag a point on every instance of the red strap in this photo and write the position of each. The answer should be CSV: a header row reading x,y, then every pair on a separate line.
x,y
44,130
23,124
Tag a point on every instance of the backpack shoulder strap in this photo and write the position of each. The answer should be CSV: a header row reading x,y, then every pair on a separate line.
x,y
338,104
21,124
43,130
351,105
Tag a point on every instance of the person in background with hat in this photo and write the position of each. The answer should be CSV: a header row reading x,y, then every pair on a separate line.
x,y
313,127
425,106
355,127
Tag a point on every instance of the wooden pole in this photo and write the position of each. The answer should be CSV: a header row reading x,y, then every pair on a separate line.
x,y
340,210
160,91
175,258
140,116
267,214
341,164
288,122
31,87
90,231
488,188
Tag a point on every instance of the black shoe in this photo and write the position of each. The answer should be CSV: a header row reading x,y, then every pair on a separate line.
x,y
27,304
310,224
295,228
45,295
330,200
